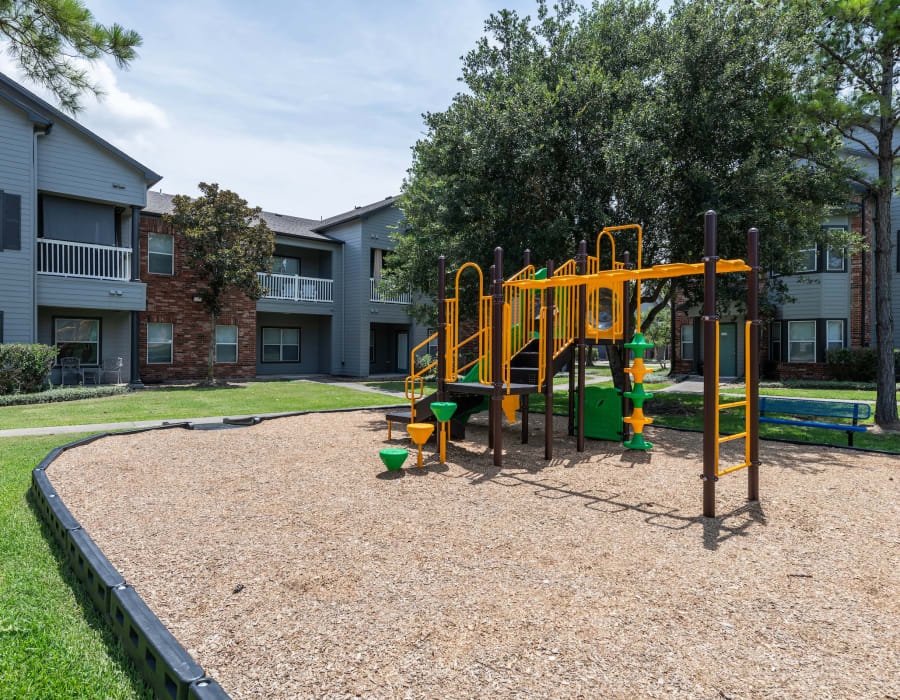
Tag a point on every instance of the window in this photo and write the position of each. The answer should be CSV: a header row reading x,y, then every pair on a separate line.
x,y
281,345
376,263
801,341
161,254
834,260
807,259
834,335
79,338
285,266
371,346
775,342
226,344
159,343
10,221
687,342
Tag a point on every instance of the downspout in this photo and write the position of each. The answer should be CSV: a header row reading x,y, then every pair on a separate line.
x,y
34,226
343,305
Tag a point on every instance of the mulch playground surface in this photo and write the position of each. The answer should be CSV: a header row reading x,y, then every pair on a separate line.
x,y
588,576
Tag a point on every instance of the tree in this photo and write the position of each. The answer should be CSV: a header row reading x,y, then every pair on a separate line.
x,y
48,37
659,333
227,243
847,80
616,114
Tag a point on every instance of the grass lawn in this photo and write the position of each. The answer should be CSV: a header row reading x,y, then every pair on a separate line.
x,y
191,402
53,643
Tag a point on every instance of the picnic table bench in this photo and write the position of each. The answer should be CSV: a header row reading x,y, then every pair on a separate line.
x,y
848,410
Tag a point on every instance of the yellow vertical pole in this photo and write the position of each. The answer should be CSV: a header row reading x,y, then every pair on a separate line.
x,y
443,441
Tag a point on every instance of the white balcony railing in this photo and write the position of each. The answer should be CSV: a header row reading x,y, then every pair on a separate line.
x,y
375,294
71,259
296,288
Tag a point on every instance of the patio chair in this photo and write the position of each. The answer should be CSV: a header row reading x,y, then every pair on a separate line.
x,y
70,364
112,365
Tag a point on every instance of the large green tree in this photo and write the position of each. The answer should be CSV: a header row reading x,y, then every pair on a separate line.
x,y
615,114
48,37
848,81
226,243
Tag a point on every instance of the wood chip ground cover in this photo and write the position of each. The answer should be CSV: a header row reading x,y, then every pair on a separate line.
x,y
589,576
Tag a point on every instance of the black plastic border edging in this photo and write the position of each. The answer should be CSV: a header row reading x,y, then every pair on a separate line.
x,y
166,667
164,664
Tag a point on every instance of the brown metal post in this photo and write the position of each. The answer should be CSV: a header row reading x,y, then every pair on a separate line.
x,y
442,328
547,341
491,275
497,356
753,379
581,260
710,436
527,308
626,338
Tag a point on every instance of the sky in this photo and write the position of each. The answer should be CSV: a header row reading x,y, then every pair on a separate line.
x,y
303,108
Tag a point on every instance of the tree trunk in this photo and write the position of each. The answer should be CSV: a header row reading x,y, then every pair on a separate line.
x,y
617,363
886,381
885,401
210,371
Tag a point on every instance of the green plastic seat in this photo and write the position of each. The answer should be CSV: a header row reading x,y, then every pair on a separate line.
x,y
393,457
443,410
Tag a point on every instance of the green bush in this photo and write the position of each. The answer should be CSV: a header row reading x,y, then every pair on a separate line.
x,y
72,393
24,368
852,364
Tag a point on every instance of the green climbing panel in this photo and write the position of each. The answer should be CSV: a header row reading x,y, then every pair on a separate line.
x,y
602,413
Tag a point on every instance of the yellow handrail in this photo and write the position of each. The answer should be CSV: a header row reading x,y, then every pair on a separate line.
x,y
409,384
734,404
637,283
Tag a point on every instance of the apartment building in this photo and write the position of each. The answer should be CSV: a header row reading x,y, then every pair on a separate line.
x,y
832,300
323,312
70,206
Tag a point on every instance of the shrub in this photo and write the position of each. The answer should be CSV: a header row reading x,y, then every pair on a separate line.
x,y
24,368
852,364
72,393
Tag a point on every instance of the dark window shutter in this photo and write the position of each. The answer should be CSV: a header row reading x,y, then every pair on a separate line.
x,y
1,327
11,221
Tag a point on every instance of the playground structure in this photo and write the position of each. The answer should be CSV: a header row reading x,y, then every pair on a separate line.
x,y
538,321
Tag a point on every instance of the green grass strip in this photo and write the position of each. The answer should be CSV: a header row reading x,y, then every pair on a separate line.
x,y
53,642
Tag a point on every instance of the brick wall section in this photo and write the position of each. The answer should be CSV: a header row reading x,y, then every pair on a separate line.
x,y
861,318
679,365
170,300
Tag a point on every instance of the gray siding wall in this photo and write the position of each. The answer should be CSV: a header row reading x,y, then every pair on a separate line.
x,y
821,294
87,293
17,266
351,351
315,343
115,334
70,163
361,236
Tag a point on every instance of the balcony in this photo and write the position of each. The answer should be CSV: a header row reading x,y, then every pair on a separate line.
x,y
296,288
85,260
375,294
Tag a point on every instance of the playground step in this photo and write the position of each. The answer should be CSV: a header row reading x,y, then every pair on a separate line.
x,y
524,375
525,359
487,389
